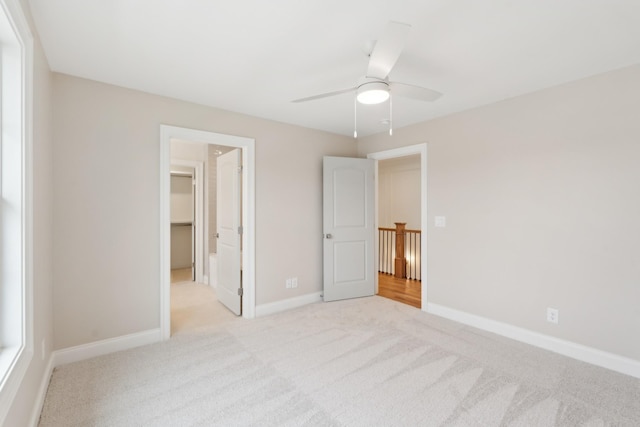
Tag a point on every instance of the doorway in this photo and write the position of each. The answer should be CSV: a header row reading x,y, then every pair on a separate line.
x,y
247,147
194,301
421,150
190,218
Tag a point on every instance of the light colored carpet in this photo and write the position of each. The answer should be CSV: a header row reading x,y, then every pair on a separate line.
x,y
363,362
181,275
194,306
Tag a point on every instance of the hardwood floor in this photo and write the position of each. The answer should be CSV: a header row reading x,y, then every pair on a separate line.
x,y
401,290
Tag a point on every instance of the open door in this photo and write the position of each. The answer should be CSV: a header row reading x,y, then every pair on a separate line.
x,y
193,227
229,230
349,229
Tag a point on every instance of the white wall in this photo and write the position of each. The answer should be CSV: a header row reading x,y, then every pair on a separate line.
x,y
97,124
399,192
43,194
540,194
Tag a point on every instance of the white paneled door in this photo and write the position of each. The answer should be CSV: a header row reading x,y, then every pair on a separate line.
x,y
349,229
229,232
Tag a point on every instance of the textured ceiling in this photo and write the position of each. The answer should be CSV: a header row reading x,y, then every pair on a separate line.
x,y
254,57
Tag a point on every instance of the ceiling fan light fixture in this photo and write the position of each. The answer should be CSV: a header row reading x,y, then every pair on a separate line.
x,y
373,93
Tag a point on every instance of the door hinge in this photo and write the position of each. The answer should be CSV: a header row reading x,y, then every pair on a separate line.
x,y
240,292
239,169
240,230
217,235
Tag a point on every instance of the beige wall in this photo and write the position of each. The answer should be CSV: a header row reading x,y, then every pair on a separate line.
x,y
181,207
399,192
188,150
107,258
541,198
23,404
181,199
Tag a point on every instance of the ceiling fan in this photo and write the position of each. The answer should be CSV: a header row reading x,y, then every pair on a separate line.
x,y
375,87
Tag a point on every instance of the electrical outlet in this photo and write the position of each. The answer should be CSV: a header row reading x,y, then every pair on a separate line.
x,y
294,282
552,315
288,283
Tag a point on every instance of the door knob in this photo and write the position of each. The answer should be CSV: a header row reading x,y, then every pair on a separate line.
x,y
328,236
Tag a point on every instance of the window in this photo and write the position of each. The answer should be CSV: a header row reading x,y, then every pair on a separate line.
x,y
16,336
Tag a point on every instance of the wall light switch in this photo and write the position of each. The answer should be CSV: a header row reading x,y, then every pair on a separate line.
x,y
441,221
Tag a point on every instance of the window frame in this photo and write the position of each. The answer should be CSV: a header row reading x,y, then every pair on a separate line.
x,y
16,205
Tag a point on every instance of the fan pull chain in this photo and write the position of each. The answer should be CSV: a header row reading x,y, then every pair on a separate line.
x,y
390,114
355,116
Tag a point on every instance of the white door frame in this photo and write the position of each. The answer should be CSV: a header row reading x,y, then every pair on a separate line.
x,y
420,149
198,214
167,133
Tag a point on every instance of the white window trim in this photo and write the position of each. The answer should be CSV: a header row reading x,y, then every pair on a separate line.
x,y
15,360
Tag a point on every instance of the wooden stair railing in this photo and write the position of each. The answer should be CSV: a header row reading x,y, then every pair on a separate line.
x,y
399,252
400,261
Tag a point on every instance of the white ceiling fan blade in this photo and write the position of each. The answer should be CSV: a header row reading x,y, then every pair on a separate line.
x,y
387,49
414,92
325,95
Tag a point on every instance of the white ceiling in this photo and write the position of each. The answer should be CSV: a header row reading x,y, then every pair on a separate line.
x,y
255,56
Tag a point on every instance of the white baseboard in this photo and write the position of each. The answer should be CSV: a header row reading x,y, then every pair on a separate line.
x,y
580,352
87,351
42,393
287,304
111,345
